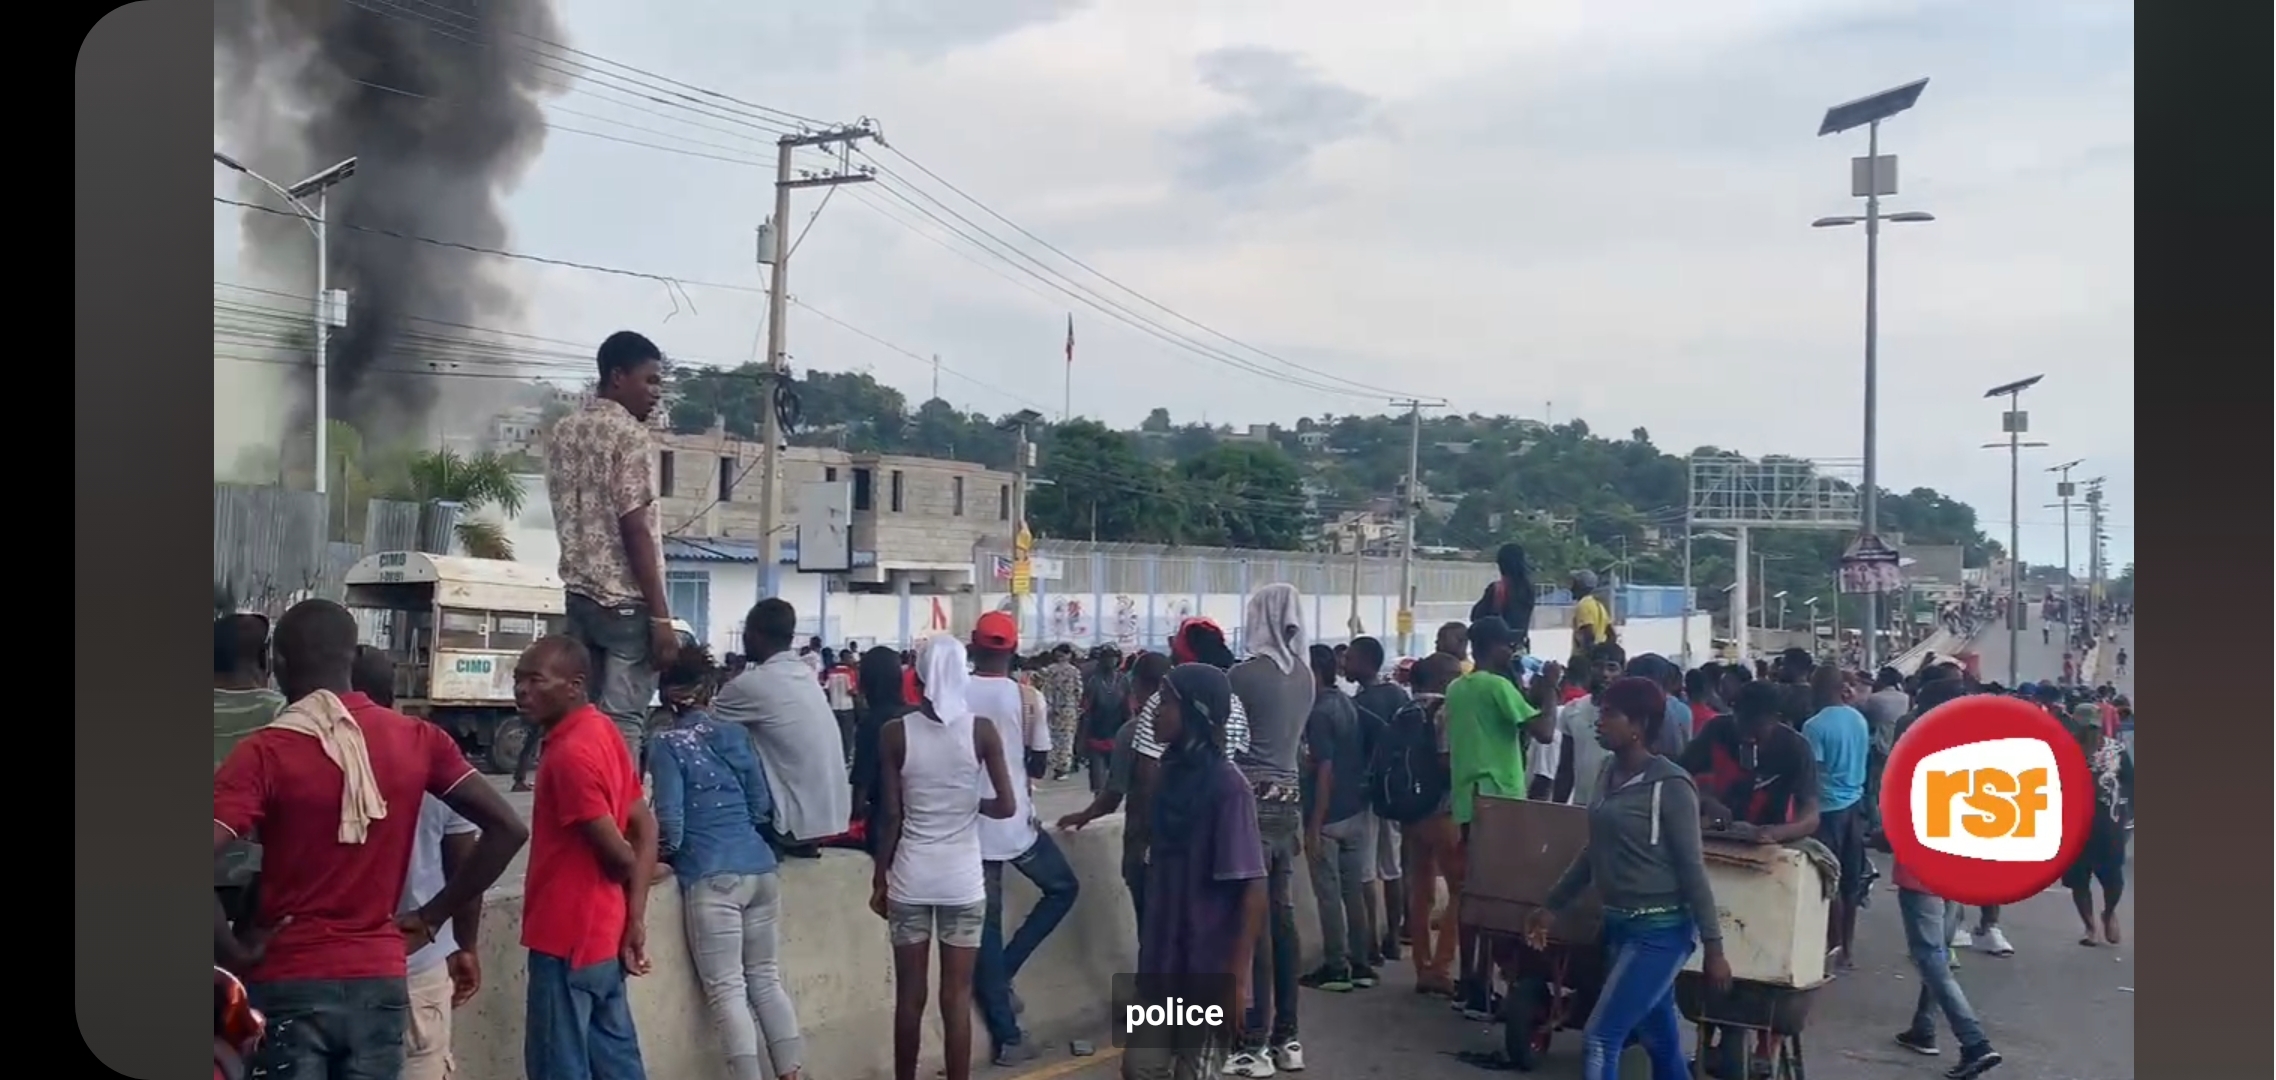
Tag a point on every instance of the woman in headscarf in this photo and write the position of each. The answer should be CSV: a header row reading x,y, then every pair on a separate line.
x,y
1275,687
942,772
1509,597
1206,879
2103,859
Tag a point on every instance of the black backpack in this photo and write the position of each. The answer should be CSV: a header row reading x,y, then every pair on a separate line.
x,y
1406,783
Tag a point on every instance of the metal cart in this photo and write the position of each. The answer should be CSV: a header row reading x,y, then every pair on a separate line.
x,y
1764,1022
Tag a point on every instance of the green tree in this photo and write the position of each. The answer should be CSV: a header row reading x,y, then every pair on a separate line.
x,y
1244,495
1097,484
478,482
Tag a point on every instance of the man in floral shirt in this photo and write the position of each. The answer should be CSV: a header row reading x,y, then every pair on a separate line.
x,y
600,471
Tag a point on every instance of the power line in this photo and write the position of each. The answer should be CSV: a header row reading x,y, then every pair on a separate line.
x,y
1095,272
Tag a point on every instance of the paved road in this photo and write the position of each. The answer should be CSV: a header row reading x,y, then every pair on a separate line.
x,y
2057,1011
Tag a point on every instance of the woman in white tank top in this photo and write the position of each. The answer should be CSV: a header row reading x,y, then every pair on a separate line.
x,y
942,771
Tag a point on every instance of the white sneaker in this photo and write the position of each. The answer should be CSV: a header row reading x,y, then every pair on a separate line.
x,y
1249,1063
1995,942
1289,1056
1962,939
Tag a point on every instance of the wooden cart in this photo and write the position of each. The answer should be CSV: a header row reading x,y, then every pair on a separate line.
x,y
1517,851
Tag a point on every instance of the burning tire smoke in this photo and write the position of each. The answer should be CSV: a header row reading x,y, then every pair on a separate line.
x,y
439,101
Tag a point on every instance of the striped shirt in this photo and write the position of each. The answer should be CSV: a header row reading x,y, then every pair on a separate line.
x,y
1236,730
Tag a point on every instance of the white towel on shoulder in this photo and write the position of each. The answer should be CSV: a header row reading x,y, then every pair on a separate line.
x,y
324,717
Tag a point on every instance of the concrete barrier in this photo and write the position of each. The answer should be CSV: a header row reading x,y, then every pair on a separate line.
x,y
838,968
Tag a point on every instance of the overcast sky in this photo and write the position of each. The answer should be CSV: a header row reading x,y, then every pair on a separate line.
x,y
1556,208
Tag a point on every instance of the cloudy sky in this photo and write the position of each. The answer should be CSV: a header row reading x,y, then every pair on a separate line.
x,y
1556,208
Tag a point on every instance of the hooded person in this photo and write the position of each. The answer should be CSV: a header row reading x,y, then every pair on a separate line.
x,y
1206,877
1510,596
1275,687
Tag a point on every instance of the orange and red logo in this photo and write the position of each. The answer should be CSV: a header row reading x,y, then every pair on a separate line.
x,y
1987,800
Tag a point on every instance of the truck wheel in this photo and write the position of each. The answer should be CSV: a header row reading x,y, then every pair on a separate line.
x,y
1525,1015
506,741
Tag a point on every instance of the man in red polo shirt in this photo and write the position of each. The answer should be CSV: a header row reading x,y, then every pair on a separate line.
x,y
324,954
592,860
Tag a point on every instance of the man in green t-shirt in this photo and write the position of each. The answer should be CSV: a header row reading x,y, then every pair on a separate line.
x,y
243,701
1487,721
1488,724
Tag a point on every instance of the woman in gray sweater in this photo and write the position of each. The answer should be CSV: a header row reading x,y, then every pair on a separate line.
x,y
1644,859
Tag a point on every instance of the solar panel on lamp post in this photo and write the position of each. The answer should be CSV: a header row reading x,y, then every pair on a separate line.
x,y
1868,112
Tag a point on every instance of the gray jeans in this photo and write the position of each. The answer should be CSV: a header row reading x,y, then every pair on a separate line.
x,y
731,925
622,682
1339,884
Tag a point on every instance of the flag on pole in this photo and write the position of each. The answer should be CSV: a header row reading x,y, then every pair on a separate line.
x,y
1070,340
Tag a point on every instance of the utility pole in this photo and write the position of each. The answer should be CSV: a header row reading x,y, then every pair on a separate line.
x,y
2064,489
936,376
1411,509
2096,568
788,179
1021,541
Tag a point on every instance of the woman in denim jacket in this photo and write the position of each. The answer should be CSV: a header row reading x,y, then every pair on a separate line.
x,y
712,802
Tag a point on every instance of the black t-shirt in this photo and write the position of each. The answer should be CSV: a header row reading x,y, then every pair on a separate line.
x,y
1782,775
1332,735
1378,703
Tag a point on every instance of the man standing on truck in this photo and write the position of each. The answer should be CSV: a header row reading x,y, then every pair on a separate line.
x,y
600,472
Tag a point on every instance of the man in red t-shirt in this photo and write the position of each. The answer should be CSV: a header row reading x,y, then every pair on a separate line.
x,y
323,954
592,859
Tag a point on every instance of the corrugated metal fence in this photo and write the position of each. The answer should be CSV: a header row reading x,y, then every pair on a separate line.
x,y
270,546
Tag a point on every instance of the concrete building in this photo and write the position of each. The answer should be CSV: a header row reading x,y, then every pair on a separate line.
x,y
915,524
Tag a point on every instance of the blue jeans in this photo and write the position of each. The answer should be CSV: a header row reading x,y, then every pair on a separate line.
x,y
1638,999
1929,923
580,1023
999,962
332,1029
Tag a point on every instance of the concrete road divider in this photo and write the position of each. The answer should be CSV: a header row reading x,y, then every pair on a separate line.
x,y
838,968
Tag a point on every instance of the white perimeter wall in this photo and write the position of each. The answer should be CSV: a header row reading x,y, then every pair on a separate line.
x,y
1129,620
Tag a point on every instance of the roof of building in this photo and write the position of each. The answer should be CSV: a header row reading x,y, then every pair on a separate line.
x,y
710,549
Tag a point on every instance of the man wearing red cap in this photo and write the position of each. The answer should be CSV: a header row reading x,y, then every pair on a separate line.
x,y
1016,841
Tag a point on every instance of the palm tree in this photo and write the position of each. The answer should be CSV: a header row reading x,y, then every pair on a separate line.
x,y
475,483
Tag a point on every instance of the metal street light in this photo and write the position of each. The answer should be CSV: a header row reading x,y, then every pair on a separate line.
x,y
1780,596
2015,422
1870,178
319,186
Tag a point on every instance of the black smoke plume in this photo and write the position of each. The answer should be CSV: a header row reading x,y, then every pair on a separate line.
x,y
439,102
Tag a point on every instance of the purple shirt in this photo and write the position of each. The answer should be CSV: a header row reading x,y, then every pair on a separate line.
x,y
1195,897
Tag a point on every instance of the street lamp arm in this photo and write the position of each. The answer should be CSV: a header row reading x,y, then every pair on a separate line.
x,y
308,217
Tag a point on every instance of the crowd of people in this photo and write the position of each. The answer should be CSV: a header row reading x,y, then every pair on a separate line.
x,y
354,921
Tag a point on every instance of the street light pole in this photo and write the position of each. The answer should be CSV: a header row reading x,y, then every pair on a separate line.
x,y
2015,422
1872,181
320,185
